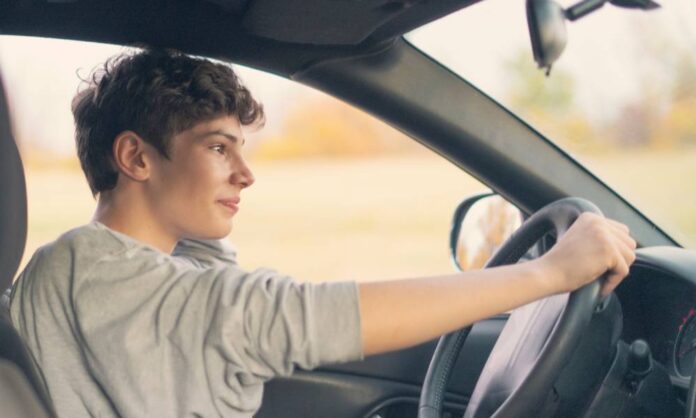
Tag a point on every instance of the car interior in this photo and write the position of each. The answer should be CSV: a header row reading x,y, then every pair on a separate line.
x,y
629,355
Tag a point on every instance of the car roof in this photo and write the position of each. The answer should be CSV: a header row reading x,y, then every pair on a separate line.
x,y
281,36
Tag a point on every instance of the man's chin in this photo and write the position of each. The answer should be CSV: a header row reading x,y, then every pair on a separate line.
x,y
212,232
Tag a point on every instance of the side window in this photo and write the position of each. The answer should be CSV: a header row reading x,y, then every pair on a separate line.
x,y
338,194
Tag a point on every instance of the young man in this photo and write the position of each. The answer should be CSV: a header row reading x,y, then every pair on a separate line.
x,y
143,313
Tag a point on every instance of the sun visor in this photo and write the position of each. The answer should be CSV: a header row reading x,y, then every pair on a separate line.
x,y
341,22
232,6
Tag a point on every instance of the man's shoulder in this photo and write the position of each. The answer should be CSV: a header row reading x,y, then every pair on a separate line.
x,y
90,240
56,266
82,246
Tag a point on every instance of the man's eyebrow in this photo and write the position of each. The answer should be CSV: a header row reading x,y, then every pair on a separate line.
x,y
220,132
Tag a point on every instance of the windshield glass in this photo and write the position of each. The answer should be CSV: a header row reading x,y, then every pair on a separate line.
x,y
621,98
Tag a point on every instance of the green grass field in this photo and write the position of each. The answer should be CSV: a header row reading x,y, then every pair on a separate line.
x,y
368,219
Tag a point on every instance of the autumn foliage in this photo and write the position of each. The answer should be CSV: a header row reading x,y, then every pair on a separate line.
x,y
327,128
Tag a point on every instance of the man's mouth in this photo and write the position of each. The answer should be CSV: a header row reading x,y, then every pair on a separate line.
x,y
232,204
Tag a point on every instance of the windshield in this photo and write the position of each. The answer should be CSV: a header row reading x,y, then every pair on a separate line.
x,y
621,98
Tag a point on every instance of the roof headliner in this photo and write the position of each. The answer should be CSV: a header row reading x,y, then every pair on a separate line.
x,y
281,36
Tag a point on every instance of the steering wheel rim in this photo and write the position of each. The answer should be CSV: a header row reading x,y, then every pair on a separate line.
x,y
556,217
691,399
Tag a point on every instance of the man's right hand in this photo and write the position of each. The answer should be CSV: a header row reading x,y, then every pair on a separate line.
x,y
591,247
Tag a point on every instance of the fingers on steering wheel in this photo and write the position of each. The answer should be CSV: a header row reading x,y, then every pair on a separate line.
x,y
624,248
627,246
622,232
618,225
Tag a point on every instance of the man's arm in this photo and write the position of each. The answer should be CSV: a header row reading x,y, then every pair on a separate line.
x,y
403,313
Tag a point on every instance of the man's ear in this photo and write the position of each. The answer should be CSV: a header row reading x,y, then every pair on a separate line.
x,y
131,157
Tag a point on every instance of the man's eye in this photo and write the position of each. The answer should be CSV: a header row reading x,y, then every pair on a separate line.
x,y
219,148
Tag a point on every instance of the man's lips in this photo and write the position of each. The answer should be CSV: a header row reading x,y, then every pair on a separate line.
x,y
231,204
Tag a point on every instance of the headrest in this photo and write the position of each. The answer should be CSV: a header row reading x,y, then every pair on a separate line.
x,y
13,199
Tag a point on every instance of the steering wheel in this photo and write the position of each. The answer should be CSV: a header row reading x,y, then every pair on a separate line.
x,y
691,399
536,342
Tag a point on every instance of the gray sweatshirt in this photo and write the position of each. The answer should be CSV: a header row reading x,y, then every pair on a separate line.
x,y
119,328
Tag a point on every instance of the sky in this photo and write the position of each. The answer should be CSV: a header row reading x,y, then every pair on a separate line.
x,y
603,55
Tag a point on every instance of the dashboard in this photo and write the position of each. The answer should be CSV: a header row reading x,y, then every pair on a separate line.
x,y
659,306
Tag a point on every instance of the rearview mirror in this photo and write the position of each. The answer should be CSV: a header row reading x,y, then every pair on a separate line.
x,y
547,31
481,223
546,20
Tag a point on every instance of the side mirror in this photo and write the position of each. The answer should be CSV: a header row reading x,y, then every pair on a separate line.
x,y
481,223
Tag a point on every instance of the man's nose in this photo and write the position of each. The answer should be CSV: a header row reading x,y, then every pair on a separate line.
x,y
242,174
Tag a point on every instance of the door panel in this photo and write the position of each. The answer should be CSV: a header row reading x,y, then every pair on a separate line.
x,y
386,383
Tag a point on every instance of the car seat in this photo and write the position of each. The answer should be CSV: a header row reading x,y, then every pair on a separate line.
x,y
23,391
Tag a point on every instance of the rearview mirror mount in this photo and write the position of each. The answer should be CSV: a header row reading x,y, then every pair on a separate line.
x,y
547,30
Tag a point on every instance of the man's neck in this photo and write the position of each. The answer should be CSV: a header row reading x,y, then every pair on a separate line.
x,y
132,217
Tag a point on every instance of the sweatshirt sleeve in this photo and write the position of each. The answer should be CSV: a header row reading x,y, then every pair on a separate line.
x,y
285,324
159,324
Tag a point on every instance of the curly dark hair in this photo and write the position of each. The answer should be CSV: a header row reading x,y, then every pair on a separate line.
x,y
156,94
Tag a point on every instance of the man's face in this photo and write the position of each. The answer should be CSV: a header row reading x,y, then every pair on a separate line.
x,y
196,192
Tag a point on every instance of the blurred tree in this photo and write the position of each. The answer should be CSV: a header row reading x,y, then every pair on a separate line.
x,y
663,113
531,91
326,127
679,122
678,126
548,103
684,77
637,122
